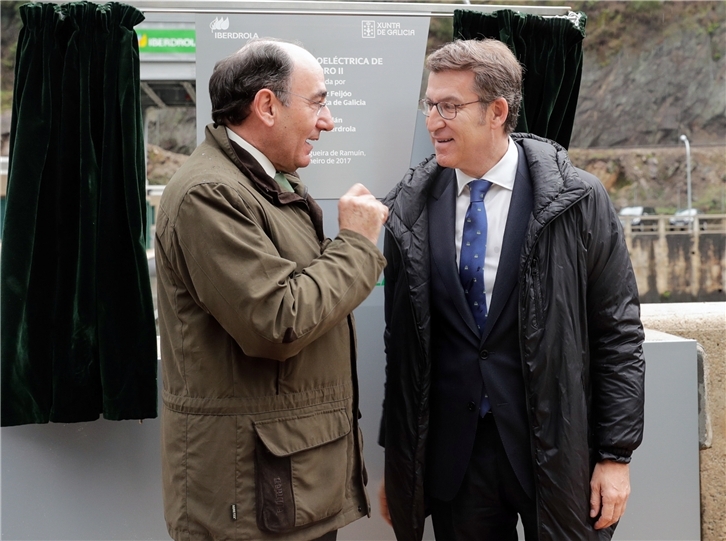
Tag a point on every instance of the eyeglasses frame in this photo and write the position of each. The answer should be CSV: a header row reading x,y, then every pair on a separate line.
x,y
425,106
319,104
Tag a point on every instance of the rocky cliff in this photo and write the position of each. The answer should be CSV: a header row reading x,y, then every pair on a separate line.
x,y
652,71
657,176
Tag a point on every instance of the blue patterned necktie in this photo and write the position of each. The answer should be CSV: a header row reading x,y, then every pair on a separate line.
x,y
473,251
471,261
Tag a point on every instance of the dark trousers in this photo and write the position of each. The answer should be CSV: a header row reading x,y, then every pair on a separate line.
x,y
490,498
330,536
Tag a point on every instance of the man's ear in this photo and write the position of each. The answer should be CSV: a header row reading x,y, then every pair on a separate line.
x,y
265,106
499,111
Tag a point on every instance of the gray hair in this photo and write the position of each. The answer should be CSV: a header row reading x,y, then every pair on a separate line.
x,y
497,72
237,79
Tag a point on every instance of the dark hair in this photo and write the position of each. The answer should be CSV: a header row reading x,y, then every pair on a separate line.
x,y
237,79
497,72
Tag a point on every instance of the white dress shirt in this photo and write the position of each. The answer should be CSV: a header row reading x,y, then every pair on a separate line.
x,y
265,163
496,203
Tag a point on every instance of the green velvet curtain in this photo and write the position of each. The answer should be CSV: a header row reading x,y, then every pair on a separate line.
x,y
551,52
78,332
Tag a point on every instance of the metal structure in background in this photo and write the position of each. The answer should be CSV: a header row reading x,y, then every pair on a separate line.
x,y
307,7
169,79
689,196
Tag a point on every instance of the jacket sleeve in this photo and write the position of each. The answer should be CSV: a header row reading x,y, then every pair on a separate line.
x,y
228,261
615,333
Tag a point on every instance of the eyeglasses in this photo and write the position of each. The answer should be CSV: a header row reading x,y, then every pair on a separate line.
x,y
446,109
319,104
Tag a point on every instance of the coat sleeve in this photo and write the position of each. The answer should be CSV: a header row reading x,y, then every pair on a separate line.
x,y
615,334
231,265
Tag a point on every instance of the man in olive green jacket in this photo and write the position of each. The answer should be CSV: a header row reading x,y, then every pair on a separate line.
x,y
260,436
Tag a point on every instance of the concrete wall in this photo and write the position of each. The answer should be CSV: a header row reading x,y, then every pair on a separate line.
x,y
705,323
679,264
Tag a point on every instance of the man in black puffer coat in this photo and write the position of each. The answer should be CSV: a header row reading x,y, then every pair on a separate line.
x,y
535,412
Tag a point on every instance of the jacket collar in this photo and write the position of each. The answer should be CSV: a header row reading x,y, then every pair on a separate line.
x,y
555,182
265,184
556,185
407,201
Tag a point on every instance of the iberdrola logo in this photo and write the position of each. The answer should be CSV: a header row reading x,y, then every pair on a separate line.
x,y
219,24
143,41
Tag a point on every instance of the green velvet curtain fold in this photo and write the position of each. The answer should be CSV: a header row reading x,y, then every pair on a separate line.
x,y
550,50
78,332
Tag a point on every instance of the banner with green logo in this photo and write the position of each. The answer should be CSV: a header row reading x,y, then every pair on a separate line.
x,y
167,40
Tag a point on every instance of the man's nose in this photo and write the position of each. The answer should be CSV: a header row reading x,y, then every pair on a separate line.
x,y
325,119
434,121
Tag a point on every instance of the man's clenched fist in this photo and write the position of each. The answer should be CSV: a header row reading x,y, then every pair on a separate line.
x,y
360,211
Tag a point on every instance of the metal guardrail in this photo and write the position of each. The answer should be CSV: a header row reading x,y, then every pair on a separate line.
x,y
327,7
309,7
653,225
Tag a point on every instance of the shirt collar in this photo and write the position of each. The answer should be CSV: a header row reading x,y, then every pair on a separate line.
x,y
264,162
502,174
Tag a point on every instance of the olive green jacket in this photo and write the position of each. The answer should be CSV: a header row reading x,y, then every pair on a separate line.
x,y
260,436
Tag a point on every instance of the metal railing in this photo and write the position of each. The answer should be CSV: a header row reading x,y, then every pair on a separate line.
x,y
653,225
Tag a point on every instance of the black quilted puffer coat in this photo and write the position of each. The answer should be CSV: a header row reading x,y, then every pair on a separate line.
x,y
580,342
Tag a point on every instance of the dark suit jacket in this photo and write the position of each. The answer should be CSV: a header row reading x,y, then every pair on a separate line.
x,y
465,362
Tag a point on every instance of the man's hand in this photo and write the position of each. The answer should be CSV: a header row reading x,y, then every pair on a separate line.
x,y
609,491
359,211
383,503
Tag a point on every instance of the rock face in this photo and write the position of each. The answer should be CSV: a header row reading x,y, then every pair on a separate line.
x,y
652,71
657,176
161,164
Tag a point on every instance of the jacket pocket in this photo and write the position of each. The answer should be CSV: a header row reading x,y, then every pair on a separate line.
x,y
300,469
